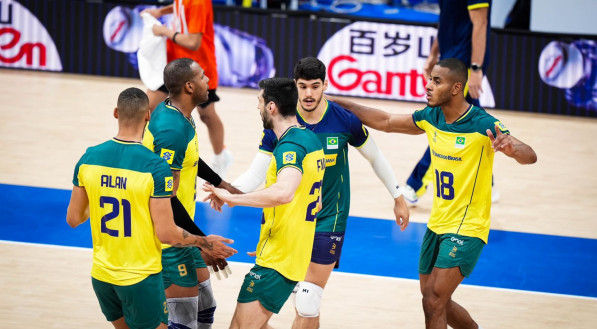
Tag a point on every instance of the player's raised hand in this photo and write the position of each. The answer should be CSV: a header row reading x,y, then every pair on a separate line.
x,y
401,212
501,142
215,246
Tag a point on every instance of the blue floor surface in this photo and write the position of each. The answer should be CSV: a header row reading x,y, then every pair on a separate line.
x,y
533,262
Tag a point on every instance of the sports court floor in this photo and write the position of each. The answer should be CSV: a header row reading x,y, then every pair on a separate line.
x,y
538,270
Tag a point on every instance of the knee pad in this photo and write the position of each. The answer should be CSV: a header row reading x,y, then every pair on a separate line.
x,y
308,299
293,294
207,305
182,313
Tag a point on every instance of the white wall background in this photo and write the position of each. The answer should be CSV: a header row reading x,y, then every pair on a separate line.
x,y
564,16
499,11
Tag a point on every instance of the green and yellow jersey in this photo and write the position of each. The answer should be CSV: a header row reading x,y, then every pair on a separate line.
x,y
336,129
287,231
119,178
173,137
462,160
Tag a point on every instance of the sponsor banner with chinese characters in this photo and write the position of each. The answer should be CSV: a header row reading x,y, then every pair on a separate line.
x,y
528,72
378,60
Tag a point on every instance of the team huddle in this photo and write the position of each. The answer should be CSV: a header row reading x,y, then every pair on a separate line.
x,y
138,189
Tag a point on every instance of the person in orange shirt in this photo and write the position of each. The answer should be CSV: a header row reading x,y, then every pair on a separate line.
x,y
192,36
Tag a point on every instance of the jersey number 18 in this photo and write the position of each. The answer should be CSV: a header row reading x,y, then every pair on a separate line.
x,y
444,185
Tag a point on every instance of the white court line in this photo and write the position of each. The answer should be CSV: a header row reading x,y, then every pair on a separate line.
x,y
344,274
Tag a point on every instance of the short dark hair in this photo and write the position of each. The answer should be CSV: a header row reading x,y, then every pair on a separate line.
x,y
309,68
177,73
132,103
281,91
458,69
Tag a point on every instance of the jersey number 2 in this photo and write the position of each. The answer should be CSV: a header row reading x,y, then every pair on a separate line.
x,y
310,216
126,214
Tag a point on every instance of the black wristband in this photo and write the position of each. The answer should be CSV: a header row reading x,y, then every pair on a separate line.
x,y
182,218
174,37
206,173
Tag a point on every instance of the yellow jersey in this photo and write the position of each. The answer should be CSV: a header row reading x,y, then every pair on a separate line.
x,y
462,160
287,231
120,177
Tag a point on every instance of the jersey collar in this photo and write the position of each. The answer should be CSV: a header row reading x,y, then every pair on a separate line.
x,y
464,114
288,129
120,141
172,107
327,105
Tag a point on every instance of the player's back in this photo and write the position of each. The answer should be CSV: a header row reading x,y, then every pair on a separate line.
x,y
287,231
119,178
173,137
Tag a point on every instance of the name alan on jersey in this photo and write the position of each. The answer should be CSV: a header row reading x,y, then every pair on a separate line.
x,y
113,182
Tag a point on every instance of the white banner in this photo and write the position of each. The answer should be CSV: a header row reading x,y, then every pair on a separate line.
x,y
380,60
24,41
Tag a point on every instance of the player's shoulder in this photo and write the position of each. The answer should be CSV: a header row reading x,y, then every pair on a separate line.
x,y
427,113
306,139
99,150
298,136
144,160
164,117
269,134
340,113
483,120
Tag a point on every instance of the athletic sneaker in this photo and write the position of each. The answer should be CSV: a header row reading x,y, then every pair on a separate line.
x,y
409,194
221,163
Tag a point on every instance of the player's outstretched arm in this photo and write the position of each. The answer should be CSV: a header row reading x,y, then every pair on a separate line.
x,y
168,232
254,176
184,221
78,208
383,170
378,119
512,147
279,193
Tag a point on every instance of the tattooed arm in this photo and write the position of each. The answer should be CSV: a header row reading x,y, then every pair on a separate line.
x,y
168,232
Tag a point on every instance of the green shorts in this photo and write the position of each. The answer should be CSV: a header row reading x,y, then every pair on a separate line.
x,y
449,250
142,304
178,267
267,286
199,263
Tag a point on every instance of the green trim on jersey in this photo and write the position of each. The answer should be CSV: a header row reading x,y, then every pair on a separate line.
x,y
119,179
462,160
172,136
336,129
287,231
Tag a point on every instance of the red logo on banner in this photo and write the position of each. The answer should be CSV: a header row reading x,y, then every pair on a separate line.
x,y
375,82
27,49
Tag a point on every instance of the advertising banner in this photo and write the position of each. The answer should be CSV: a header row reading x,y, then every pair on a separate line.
x,y
528,72
24,41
